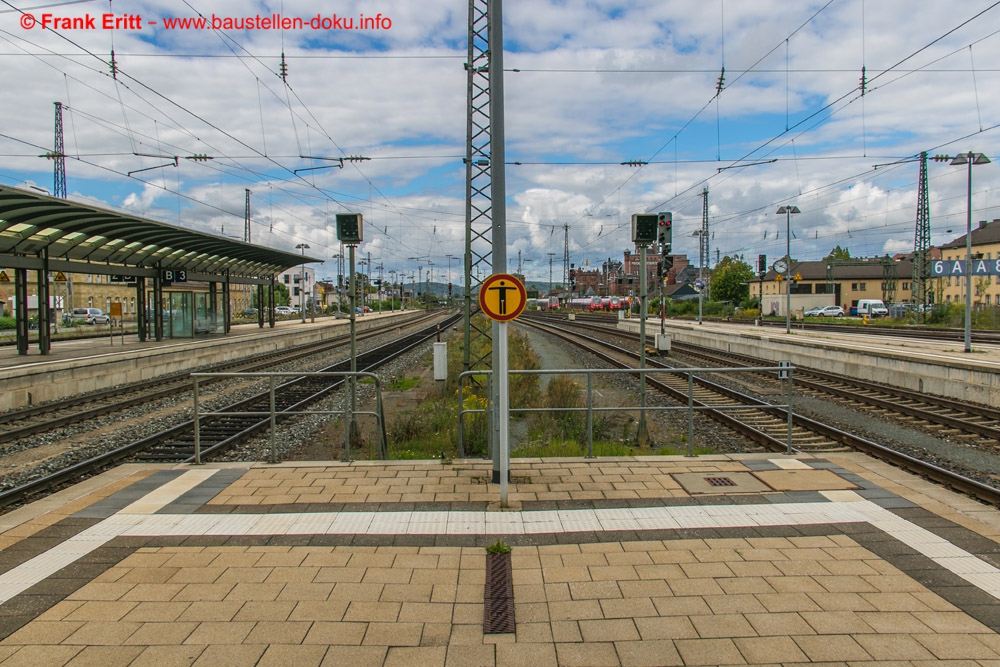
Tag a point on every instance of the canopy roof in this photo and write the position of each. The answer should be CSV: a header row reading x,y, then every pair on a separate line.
x,y
32,222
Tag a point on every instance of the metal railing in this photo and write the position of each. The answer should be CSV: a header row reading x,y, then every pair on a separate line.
x,y
784,371
273,413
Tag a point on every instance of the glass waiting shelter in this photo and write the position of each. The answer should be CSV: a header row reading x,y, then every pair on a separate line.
x,y
188,314
42,236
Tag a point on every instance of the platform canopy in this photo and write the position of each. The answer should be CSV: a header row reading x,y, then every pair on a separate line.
x,y
97,240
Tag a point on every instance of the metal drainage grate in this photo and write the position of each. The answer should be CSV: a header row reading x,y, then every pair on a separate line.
x,y
720,481
498,612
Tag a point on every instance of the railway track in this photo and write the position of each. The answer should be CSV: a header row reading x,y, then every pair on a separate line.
x,y
37,419
914,331
769,426
176,443
948,416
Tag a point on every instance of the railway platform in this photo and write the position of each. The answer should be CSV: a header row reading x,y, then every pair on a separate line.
x,y
715,560
81,365
918,364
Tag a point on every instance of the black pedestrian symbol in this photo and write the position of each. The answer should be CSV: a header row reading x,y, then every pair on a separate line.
x,y
503,296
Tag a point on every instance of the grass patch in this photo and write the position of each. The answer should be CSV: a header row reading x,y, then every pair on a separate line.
x,y
402,384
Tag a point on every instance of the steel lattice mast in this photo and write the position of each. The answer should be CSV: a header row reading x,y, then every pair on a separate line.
x,y
478,178
59,157
565,279
246,218
921,278
703,249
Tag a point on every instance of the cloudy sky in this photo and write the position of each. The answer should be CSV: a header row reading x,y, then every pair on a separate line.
x,y
597,83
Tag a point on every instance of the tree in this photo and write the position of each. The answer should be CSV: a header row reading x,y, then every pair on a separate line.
x,y
839,253
731,280
281,297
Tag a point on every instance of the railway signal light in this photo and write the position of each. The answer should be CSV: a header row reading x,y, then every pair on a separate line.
x,y
643,228
664,229
762,264
349,228
667,263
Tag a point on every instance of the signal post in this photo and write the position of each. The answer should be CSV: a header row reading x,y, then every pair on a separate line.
x,y
502,298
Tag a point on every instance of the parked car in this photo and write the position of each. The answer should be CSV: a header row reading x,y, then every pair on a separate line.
x,y
89,316
831,311
870,307
284,310
814,312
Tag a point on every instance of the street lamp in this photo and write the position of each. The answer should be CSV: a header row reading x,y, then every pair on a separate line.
x,y
302,281
788,211
970,159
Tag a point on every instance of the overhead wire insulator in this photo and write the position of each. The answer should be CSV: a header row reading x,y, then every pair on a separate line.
x,y
283,68
942,158
864,81
114,65
721,83
634,163
199,157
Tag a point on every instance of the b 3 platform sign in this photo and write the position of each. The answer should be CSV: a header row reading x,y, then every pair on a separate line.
x,y
502,297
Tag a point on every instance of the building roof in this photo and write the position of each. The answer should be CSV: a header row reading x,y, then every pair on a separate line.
x,y
986,233
32,223
858,269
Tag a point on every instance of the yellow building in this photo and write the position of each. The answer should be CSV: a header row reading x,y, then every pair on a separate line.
x,y
842,282
949,271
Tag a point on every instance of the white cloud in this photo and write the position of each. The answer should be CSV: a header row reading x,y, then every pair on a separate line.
x,y
600,82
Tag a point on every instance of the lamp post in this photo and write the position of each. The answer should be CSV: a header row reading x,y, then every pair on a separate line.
x,y
302,281
970,159
788,211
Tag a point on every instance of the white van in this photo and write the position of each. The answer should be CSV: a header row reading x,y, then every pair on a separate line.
x,y
872,308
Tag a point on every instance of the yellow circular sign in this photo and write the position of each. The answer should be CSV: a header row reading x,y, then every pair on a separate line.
x,y
502,297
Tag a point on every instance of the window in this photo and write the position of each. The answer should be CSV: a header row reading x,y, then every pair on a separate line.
x,y
286,278
854,287
864,286
906,285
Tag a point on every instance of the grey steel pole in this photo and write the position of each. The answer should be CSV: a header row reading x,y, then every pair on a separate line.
x,y
498,192
353,428
968,263
643,434
788,268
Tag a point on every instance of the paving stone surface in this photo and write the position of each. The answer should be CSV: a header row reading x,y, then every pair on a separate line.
x,y
838,560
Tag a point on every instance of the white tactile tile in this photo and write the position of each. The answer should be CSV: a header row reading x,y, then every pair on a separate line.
x,y
466,523
233,524
504,523
312,524
790,464
351,523
428,523
272,524
963,565
169,492
389,523
987,581
842,496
